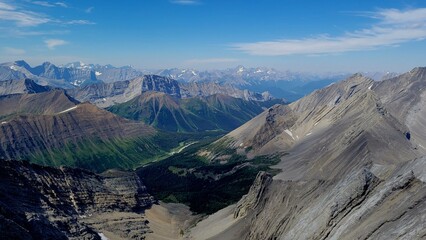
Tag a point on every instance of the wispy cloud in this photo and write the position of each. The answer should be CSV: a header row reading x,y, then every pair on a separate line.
x,y
393,27
6,6
80,22
89,10
61,4
25,18
18,32
49,4
53,43
13,51
185,2
21,17
43,3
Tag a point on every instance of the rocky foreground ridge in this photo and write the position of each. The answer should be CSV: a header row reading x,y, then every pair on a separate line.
x,y
48,203
354,166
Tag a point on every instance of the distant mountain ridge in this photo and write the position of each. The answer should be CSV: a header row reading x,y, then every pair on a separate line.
x,y
47,74
108,94
290,85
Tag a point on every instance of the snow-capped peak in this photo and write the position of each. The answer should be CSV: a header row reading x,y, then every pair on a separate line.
x,y
240,69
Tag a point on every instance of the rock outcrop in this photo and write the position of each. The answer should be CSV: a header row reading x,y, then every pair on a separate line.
x,y
252,199
47,203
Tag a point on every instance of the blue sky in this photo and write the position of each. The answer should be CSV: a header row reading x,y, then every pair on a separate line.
x,y
298,35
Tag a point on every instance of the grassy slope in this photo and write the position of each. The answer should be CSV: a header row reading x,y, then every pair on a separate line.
x,y
97,155
189,115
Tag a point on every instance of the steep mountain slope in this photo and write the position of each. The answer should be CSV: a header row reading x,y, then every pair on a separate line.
x,y
46,203
350,170
83,136
192,114
21,86
39,104
405,97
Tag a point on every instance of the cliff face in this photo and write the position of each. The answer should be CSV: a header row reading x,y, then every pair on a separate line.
x,y
47,203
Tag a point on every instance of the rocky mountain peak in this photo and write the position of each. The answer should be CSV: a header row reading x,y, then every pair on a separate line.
x,y
22,63
418,72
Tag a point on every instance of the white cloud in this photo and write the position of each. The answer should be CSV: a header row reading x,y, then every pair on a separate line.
x,y
43,3
53,43
23,18
13,51
185,2
394,27
80,22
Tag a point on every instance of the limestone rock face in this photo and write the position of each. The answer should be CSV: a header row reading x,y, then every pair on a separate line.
x,y
254,196
47,203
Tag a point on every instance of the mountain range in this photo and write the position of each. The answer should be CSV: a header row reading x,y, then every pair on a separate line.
x,y
280,84
108,94
346,161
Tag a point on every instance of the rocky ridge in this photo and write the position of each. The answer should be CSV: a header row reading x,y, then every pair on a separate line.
x,y
351,168
46,203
